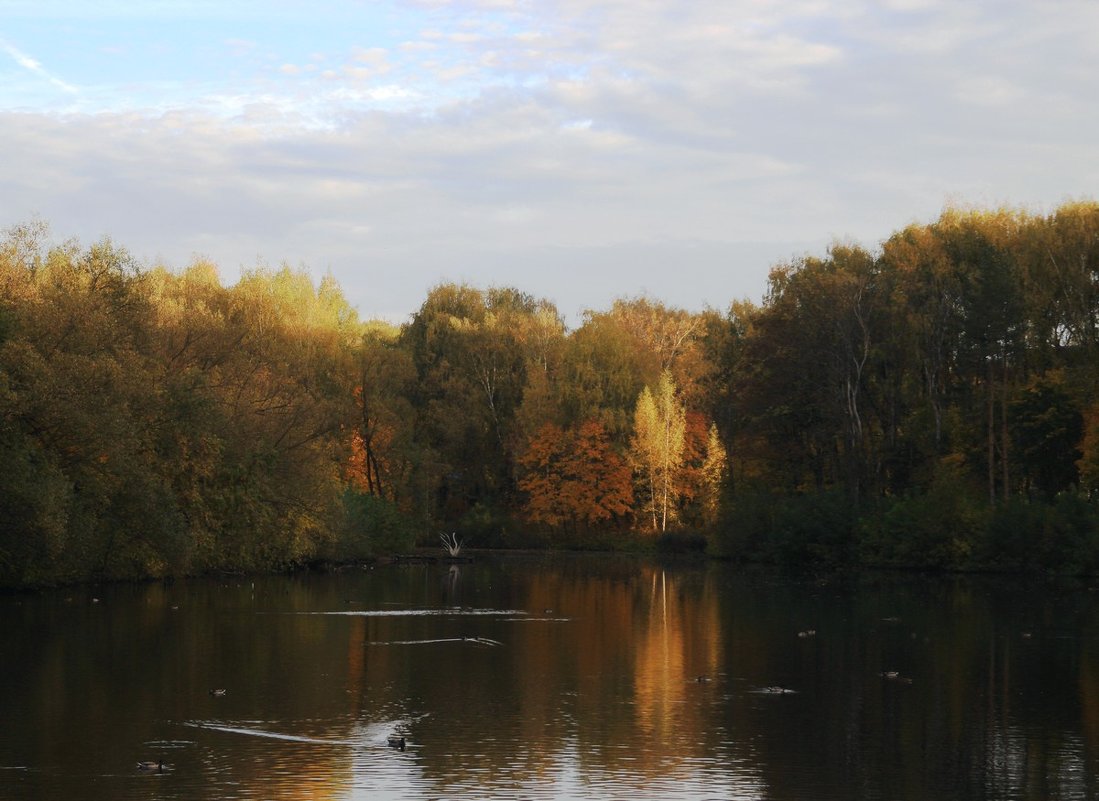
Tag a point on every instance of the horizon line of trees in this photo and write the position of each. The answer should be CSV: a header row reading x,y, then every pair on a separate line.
x,y
930,404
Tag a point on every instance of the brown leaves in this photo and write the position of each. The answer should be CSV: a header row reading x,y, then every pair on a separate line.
x,y
574,477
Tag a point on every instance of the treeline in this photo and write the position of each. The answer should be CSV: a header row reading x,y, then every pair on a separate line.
x,y
931,404
154,423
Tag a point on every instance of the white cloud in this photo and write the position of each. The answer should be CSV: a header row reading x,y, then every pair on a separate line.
x,y
912,5
988,91
576,148
33,66
375,57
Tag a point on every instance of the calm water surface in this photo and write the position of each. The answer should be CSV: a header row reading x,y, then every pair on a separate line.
x,y
548,678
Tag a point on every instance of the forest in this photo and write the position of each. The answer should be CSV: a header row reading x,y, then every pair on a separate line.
x,y
931,404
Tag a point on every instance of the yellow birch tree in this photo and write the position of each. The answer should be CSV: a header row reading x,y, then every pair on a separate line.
x,y
660,426
714,469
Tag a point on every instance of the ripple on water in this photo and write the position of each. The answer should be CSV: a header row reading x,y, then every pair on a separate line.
x,y
447,611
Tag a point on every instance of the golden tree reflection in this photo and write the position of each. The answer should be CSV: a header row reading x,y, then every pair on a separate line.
x,y
521,681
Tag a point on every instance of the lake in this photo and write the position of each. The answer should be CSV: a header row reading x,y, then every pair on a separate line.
x,y
553,677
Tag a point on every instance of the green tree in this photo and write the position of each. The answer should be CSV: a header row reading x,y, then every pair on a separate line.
x,y
601,374
471,350
1047,430
807,367
991,336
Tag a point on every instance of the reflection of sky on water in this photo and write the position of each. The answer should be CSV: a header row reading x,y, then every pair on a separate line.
x,y
482,777
562,762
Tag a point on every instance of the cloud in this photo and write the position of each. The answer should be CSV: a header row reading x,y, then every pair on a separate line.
x,y
988,91
579,149
368,62
31,65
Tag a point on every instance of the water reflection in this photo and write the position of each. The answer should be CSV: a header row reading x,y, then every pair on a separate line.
x,y
590,677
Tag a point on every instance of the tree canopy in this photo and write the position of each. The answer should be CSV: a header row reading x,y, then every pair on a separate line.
x,y
897,406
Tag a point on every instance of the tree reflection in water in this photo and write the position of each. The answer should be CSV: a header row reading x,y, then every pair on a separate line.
x,y
589,677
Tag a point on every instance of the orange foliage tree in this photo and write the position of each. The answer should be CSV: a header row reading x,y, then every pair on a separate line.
x,y
574,477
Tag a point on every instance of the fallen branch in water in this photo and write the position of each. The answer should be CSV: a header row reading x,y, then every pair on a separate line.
x,y
452,544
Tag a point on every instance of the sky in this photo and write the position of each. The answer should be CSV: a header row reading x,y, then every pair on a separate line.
x,y
579,150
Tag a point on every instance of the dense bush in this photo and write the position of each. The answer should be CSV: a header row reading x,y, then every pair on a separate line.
x,y
373,527
682,542
799,531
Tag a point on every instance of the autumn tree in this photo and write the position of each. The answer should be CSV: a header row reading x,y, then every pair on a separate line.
x,y
381,461
573,477
670,338
714,474
602,372
471,350
544,339
657,449
156,422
